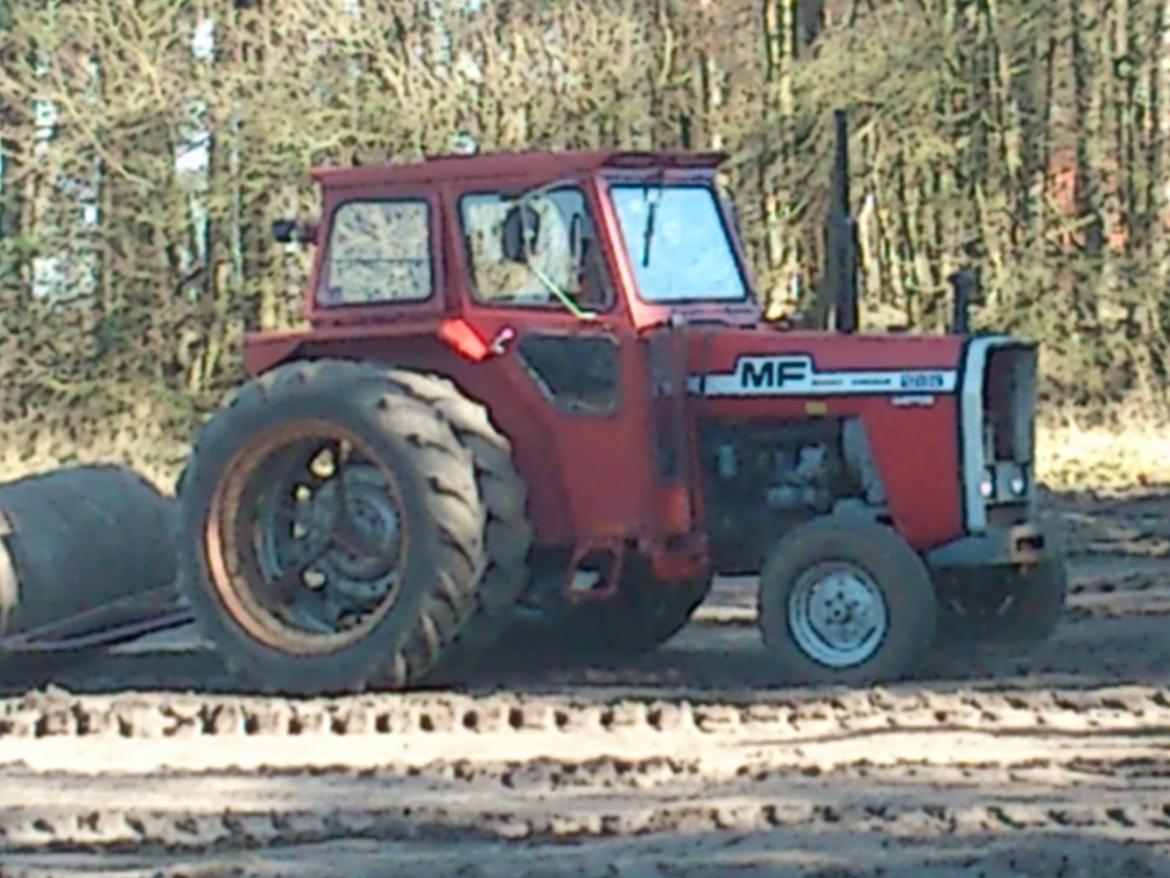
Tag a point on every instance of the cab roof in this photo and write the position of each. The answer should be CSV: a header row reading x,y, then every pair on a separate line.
x,y
511,164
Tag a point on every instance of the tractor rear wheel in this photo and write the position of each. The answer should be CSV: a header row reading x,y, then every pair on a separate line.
x,y
332,532
508,538
845,600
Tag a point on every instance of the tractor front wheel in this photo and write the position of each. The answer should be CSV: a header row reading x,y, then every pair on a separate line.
x,y
332,532
1010,608
845,600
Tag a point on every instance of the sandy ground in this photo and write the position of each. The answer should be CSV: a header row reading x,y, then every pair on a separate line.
x,y
688,762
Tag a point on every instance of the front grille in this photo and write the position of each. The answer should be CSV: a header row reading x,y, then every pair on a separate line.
x,y
998,423
1009,405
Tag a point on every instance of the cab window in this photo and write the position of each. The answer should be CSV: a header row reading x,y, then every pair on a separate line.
x,y
550,246
379,252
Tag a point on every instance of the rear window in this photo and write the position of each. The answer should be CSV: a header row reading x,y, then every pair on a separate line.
x,y
379,252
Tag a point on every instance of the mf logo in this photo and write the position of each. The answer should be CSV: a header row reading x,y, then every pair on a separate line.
x,y
773,372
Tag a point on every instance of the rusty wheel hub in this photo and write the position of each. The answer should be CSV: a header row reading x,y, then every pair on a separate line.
x,y
313,538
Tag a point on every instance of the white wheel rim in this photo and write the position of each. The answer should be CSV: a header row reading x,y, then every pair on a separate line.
x,y
837,615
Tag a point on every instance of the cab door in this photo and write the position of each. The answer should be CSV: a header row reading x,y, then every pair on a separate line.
x,y
568,383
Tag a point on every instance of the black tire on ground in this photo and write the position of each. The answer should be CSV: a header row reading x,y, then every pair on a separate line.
x,y
1012,607
508,539
81,537
644,614
1038,605
441,527
876,569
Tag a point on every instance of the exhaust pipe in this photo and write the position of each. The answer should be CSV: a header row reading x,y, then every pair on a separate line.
x,y
841,236
965,283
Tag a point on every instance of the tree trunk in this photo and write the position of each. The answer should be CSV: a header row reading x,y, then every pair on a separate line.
x,y
1086,186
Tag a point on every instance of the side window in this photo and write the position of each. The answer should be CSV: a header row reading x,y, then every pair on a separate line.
x,y
379,251
560,249
580,374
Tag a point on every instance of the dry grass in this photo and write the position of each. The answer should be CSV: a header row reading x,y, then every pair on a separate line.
x,y
158,458
1104,458
143,445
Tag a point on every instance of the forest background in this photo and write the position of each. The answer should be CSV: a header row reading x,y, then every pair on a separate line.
x,y
147,146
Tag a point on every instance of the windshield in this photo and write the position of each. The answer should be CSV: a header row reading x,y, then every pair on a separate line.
x,y
677,243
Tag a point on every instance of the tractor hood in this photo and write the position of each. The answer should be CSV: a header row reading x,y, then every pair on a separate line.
x,y
923,403
753,362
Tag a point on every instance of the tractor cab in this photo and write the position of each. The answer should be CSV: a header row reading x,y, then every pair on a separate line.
x,y
588,236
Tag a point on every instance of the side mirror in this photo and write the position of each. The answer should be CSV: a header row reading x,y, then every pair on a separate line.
x,y
283,231
519,233
286,231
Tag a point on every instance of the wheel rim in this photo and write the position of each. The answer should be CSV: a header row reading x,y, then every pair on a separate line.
x,y
306,539
837,615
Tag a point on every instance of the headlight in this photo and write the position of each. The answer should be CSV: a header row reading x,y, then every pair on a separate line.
x,y
987,485
1005,482
1013,477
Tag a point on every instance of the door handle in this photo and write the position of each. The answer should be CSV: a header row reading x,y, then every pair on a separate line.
x,y
499,344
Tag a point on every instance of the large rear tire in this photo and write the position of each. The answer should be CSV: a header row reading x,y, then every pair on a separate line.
x,y
845,600
508,538
332,532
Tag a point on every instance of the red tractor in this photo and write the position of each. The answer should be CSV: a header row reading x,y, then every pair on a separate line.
x,y
539,405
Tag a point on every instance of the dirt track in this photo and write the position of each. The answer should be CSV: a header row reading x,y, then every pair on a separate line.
x,y
683,763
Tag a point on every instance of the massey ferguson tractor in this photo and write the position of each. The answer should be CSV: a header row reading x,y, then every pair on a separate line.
x,y
539,406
